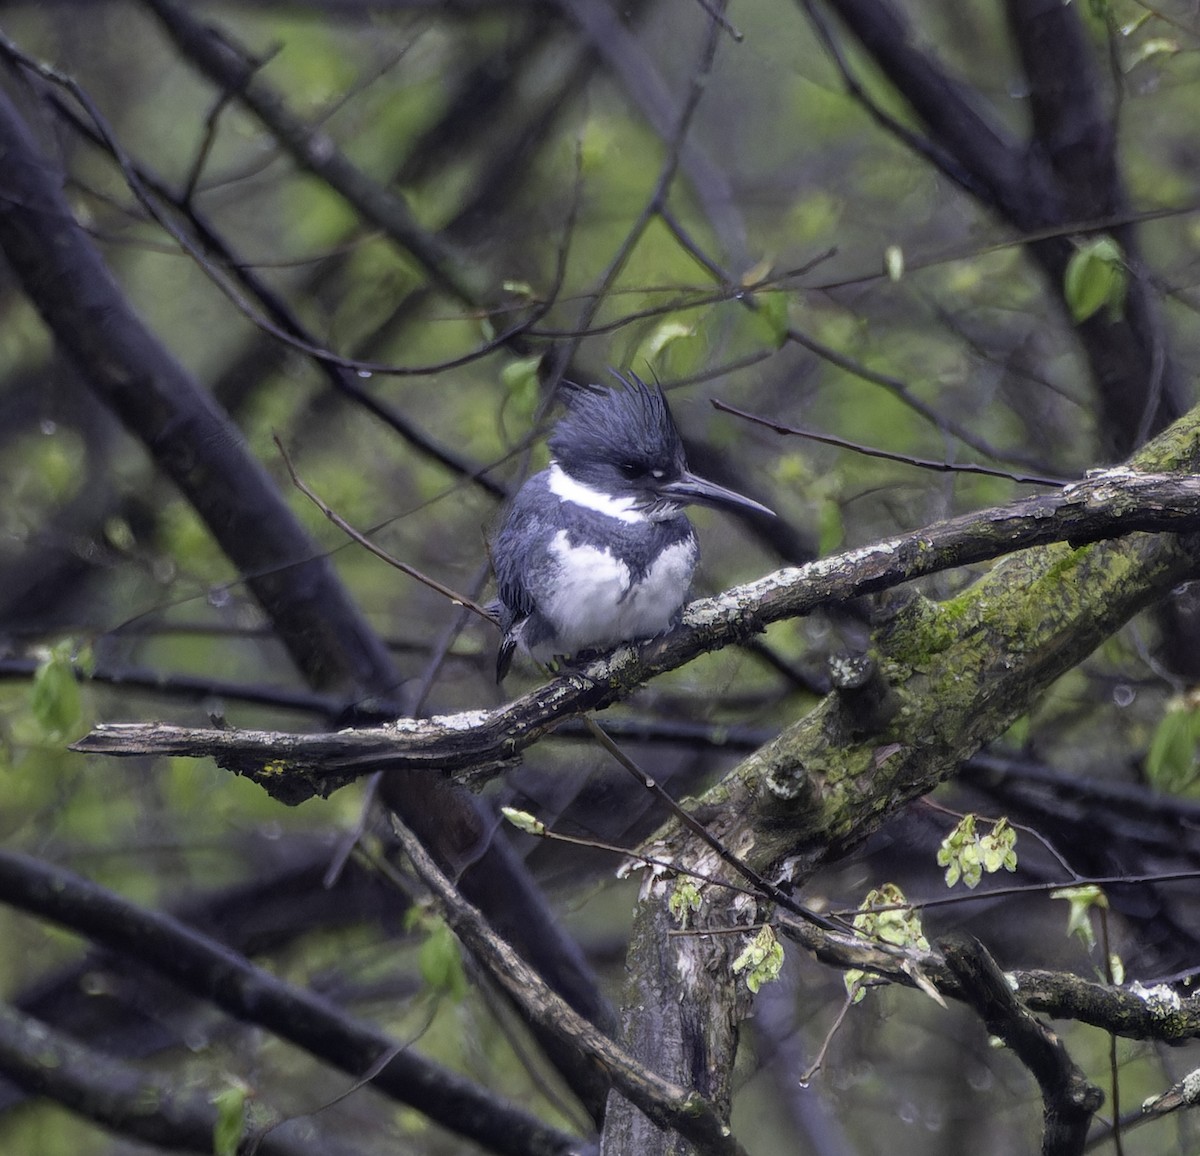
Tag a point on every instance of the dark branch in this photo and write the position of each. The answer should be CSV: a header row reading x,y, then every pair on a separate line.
x,y
1133,1012
1068,1101
190,438
125,1100
234,70
213,972
668,1105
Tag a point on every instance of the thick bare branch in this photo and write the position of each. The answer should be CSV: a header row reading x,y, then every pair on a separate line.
x,y
950,677
1133,1012
191,439
479,744
677,1106
198,446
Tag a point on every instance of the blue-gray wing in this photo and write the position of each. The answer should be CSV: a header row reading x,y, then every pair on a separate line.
x,y
520,555
521,551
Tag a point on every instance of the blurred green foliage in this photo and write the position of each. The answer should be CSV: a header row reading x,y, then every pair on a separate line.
x,y
971,331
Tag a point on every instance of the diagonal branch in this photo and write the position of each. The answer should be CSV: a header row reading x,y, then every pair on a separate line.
x,y
481,743
200,449
127,1101
1135,1013
1065,176
1068,1101
951,676
235,71
191,439
669,1105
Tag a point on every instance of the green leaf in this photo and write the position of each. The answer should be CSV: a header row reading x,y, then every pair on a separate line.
x,y
900,925
1082,900
673,348
1171,761
440,962
54,697
1095,278
762,959
523,821
967,855
685,899
230,1124
855,980
998,849
662,336
85,661
1156,46
520,378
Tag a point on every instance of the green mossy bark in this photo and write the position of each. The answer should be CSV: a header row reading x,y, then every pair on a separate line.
x,y
961,672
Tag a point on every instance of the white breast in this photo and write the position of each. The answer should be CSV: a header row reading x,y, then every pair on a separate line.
x,y
594,604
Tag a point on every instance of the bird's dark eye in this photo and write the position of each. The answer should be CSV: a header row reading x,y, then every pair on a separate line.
x,y
632,470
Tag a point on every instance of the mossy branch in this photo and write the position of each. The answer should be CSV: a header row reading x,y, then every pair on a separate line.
x,y
956,674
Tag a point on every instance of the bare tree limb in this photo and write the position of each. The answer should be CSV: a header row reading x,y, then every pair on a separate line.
x,y
679,1107
213,972
234,70
1063,177
638,73
196,444
1068,1101
951,677
294,767
1132,1012
193,441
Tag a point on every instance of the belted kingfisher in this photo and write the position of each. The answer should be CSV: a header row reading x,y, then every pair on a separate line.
x,y
595,549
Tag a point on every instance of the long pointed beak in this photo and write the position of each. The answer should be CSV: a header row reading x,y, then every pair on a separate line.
x,y
691,488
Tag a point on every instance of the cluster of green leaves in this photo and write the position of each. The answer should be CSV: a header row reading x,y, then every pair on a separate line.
x,y
967,854
684,901
1096,278
885,915
230,1125
439,957
55,700
761,959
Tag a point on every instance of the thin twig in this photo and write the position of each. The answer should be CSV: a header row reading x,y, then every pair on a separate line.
x,y
888,455
764,887
379,552
813,1068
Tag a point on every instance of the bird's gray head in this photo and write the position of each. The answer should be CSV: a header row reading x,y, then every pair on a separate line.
x,y
623,442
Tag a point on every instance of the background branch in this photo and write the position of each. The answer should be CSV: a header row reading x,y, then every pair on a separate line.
x,y
243,990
